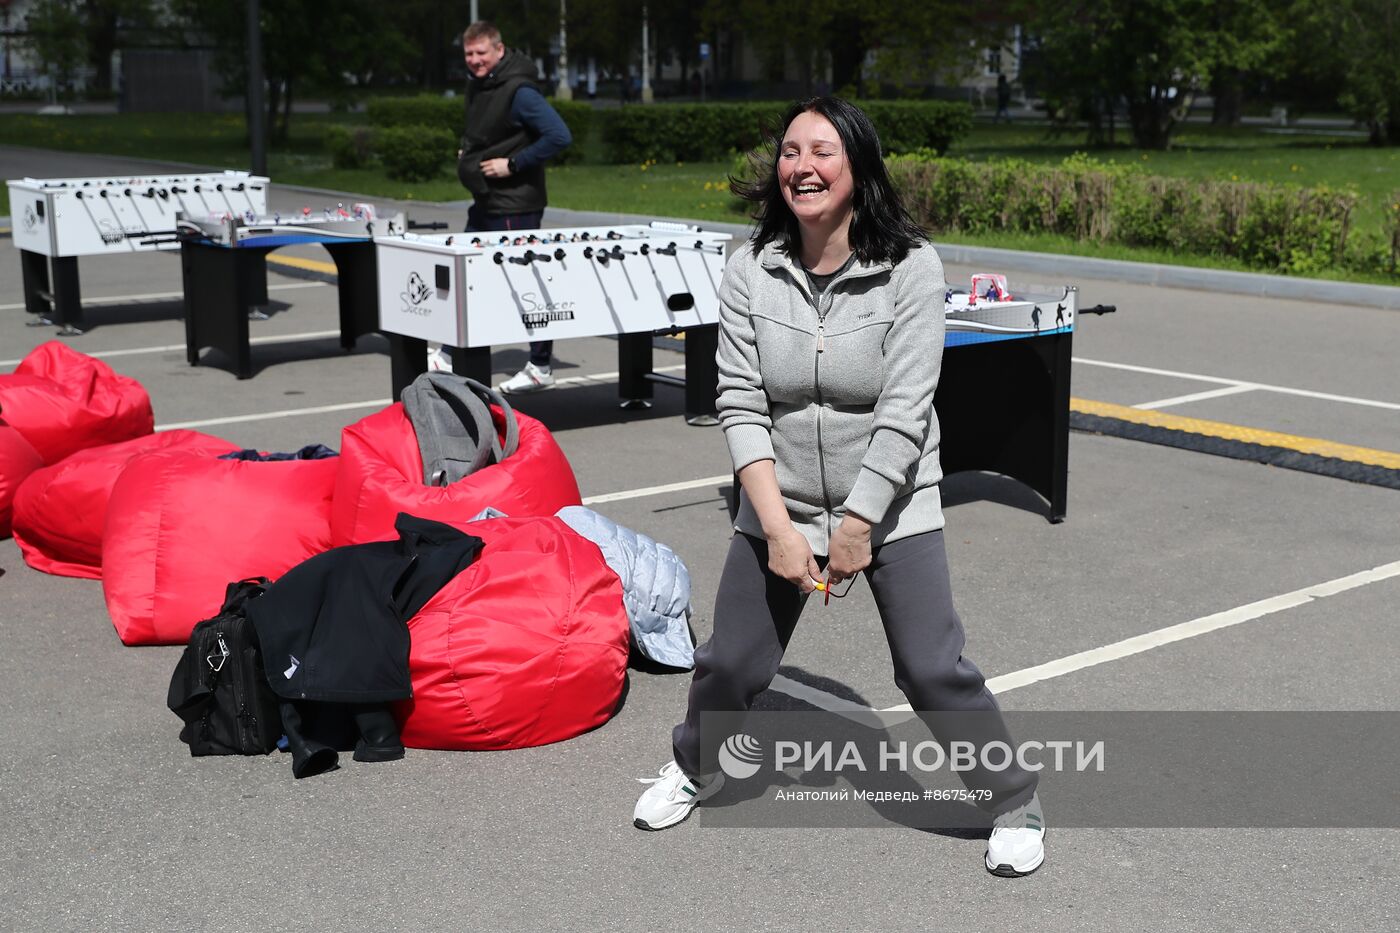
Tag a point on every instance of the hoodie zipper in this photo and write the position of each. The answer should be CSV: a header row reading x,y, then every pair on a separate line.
x,y
821,403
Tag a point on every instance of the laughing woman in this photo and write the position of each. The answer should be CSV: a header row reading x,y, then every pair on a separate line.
x,y
831,340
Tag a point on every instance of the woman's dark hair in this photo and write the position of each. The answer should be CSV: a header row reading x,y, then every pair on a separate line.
x,y
881,228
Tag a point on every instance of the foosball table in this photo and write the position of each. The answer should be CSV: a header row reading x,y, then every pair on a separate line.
x,y
1003,393
57,220
224,266
470,291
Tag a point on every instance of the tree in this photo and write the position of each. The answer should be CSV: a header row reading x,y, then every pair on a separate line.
x,y
1365,35
305,43
1249,36
103,21
1151,57
53,32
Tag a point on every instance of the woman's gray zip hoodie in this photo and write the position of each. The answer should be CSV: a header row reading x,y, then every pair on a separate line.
x,y
842,401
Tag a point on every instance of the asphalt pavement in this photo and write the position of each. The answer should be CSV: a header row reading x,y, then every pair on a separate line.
x,y
110,825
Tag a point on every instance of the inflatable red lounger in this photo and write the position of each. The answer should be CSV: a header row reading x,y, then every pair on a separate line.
x,y
62,401
526,646
381,475
181,526
18,459
60,510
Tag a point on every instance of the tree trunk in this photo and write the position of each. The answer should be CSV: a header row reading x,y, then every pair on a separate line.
x,y
1228,89
274,99
847,49
101,43
1151,122
284,129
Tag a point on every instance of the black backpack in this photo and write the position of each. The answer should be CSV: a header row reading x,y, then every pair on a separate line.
x,y
220,689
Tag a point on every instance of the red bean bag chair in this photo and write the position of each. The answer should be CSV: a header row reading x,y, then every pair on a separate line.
x,y
60,510
18,459
526,646
381,475
62,401
181,526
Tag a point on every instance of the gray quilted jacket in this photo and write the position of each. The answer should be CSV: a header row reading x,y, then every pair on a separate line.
x,y
655,585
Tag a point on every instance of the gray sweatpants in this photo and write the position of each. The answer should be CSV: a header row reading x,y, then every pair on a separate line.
x,y
756,612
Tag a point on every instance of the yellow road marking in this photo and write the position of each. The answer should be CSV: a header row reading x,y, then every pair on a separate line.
x,y
296,262
1234,432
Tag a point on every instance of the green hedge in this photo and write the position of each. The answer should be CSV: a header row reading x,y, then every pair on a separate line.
x,y
414,153
350,146
710,132
448,113
1275,227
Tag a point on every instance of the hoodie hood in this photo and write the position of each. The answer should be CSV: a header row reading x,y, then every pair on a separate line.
x,y
514,65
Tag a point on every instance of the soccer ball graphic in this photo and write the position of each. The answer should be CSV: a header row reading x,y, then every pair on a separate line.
x,y
740,756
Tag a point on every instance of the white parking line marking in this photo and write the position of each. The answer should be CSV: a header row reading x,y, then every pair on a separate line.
x,y
1182,631
172,347
820,698
1285,390
160,296
724,479
1197,396
270,415
372,403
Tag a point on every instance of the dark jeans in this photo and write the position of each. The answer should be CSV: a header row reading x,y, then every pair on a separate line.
x,y
756,612
478,221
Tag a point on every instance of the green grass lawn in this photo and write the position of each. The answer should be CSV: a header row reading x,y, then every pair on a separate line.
x,y
697,190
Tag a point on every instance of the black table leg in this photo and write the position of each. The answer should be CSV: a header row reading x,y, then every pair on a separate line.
x,y
220,284
67,303
35,269
408,359
1059,467
634,367
357,275
1004,407
472,362
701,375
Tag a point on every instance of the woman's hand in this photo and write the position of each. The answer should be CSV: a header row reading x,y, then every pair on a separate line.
x,y
790,557
849,549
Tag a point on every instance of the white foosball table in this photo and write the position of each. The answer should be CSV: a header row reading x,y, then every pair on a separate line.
x,y
57,220
470,291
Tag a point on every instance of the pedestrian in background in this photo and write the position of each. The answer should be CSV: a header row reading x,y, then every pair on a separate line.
x,y
511,132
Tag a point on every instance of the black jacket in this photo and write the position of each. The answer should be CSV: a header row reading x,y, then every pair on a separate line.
x,y
334,628
491,134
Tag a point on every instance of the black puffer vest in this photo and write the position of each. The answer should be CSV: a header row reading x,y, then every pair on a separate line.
x,y
490,134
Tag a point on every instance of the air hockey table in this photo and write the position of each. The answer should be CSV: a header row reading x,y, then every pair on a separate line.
x,y
224,268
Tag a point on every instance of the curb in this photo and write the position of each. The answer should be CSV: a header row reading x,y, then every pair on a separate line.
x,y
1283,457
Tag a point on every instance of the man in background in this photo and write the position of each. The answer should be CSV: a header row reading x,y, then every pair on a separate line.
x,y
511,132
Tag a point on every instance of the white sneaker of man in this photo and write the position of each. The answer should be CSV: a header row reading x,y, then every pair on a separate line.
x,y
672,796
1017,845
530,379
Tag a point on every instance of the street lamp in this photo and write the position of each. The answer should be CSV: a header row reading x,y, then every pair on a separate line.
x,y
647,96
563,91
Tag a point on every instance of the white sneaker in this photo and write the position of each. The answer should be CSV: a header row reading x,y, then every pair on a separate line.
x,y
439,361
1017,846
530,379
672,796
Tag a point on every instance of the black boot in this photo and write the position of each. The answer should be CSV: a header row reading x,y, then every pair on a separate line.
x,y
379,735
309,757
